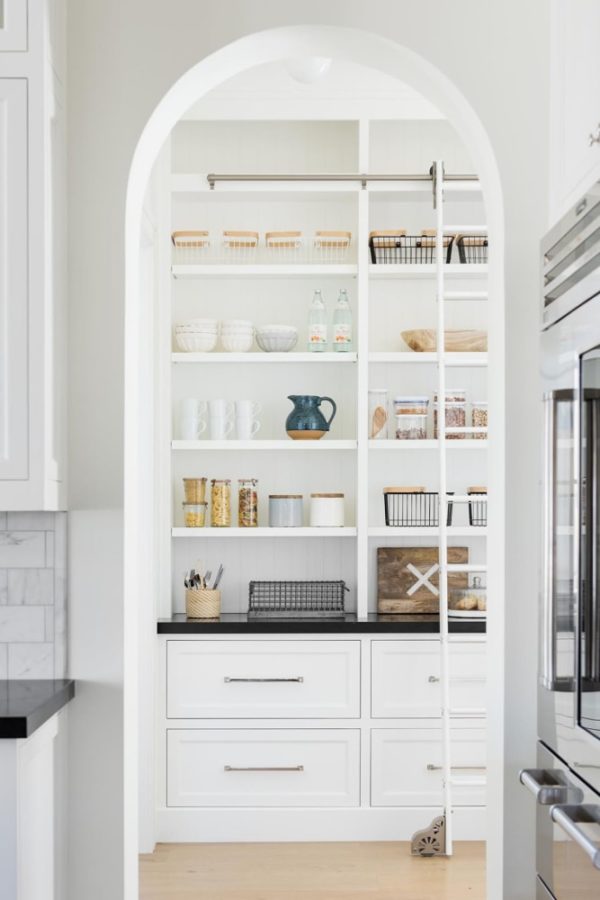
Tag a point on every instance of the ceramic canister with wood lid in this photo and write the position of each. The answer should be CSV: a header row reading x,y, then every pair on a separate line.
x,y
326,510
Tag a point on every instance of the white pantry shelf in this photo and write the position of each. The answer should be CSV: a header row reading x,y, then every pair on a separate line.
x,y
399,446
268,445
455,360
451,531
306,270
260,532
215,358
427,270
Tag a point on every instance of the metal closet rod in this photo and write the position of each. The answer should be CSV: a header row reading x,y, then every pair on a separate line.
x,y
333,176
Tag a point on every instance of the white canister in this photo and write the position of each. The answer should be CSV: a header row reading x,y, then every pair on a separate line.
x,y
327,510
285,510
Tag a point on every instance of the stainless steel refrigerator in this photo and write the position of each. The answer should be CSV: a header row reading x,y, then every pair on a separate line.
x,y
566,779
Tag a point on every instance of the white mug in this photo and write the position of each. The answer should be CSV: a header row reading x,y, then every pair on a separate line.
x,y
246,428
220,409
190,424
190,429
247,409
220,427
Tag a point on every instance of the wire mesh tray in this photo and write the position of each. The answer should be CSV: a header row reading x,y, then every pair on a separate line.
x,y
296,599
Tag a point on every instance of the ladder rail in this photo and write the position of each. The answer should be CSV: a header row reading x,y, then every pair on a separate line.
x,y
443,534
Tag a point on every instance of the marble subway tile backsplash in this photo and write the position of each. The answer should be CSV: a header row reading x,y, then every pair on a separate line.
x,y
33,595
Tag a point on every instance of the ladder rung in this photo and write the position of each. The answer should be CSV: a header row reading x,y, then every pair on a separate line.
x,y
466,498
466,567
468,712
465,295
467,781
466,429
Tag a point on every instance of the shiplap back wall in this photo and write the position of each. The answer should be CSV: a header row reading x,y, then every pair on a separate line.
x,y
33,562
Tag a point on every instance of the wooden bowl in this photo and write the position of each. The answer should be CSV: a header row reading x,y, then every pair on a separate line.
x,y
424,340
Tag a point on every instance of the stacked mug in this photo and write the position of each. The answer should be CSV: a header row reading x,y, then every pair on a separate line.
x,y
221,422
191,425
246,425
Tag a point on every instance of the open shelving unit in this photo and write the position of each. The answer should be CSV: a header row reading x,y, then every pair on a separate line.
x,y
385,299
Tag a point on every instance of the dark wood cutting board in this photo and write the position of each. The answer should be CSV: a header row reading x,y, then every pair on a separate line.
x,y
396,580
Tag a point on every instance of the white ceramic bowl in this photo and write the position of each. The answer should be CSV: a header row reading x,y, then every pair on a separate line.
x,y
277,338
196,343
236,343
235,325
208,326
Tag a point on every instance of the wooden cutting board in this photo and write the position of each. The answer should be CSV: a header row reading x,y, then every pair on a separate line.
x,y
408,578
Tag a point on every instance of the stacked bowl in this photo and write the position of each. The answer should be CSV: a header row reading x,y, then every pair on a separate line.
x,y
276,338
197,335
236,335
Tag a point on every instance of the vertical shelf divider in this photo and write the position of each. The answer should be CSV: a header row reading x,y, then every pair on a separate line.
x,y
362,383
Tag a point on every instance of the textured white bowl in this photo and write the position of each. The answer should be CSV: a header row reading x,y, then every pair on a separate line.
x,y
207,325
236,343
276,343
196,343
287,330
235,324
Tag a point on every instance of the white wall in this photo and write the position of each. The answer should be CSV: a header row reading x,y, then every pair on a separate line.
x,y
123,58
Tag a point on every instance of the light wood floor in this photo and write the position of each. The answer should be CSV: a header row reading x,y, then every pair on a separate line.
x,y
326,871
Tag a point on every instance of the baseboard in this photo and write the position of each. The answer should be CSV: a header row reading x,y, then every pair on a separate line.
x,y
237,825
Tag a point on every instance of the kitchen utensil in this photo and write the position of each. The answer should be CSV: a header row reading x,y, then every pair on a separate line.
x,y
218,578
306,421
378,415
424,340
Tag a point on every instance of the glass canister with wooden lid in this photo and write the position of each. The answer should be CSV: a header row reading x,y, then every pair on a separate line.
x,y
247,503
220,502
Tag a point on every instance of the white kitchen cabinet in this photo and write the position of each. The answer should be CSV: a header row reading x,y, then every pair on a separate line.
x,y
279,679
256,767
406,766
14,297
31,813
406,679
13,25
575,102
32,249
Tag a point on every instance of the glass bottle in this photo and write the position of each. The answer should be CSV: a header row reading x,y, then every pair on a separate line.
x,y
342,323
317,323
247,503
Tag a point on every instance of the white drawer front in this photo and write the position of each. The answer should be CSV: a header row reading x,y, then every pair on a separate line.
x,y
406,679
263,767
406,766
263,679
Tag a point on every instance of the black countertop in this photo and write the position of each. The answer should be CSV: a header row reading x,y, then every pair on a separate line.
x,y
376,624
27,704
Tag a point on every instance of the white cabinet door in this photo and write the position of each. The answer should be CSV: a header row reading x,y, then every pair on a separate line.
x,y
575,101
406,766
308,767
406,679
14,300
263,679
13,25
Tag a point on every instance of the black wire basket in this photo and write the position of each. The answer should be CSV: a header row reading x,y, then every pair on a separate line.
x,y
418,509
472,248
393,249
297,599
478,517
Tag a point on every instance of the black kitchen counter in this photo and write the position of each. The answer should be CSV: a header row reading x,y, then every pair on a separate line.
x,y
376,624
26,704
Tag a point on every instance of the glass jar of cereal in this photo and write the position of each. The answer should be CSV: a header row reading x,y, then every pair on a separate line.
x,y
248,503
220,499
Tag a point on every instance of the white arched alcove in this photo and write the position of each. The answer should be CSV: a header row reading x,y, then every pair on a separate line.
x,y
399,62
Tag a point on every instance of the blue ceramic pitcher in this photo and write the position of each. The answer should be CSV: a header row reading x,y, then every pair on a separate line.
x,y
306,422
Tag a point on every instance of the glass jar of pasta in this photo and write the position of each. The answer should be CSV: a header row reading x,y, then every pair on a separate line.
x,y
248,503
220,501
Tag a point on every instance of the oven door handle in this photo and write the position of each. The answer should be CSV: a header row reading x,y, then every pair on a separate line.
x,y
570,818
549,786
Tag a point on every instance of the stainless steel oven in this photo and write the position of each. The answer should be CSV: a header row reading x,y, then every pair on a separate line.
x,y
568,817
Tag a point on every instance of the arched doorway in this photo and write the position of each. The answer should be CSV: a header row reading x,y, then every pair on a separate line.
x,y
402,64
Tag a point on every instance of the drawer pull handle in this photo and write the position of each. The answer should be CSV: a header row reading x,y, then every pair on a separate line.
x,y
263,768
432,768
298,679
433,679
